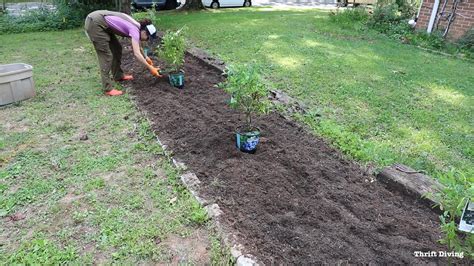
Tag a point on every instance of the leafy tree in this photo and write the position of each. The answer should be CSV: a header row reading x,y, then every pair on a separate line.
x,y
125,6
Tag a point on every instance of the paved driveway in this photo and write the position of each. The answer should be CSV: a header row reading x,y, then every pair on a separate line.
x,y
325,4
20,8
296,3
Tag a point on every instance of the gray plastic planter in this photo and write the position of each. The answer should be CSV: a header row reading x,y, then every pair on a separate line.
x,y
16,83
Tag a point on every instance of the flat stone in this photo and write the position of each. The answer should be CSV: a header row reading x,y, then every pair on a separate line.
x,y
83,137
180,165
281,97
245,261
199,199
213,210
410,182
190,180
206,58
161,143
235,251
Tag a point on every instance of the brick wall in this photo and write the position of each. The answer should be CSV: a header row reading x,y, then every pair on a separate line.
x,y
464,19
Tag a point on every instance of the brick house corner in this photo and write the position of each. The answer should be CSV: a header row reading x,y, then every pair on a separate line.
x,y
455,15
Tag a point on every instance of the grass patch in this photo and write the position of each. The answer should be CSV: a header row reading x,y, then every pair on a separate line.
x,y
380,101
111,198
42,251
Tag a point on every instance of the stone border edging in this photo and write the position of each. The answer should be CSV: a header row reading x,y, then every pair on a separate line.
x,y
410,182
192,183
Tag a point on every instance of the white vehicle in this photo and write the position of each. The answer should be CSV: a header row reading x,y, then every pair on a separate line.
x,y
226,3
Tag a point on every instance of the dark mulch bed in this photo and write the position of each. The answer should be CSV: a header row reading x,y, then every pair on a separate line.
x,y
297,200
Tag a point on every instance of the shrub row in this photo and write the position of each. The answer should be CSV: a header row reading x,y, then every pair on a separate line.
x,y
66,15
391,17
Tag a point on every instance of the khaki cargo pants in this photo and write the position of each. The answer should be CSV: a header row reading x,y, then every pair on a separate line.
x,y
108,48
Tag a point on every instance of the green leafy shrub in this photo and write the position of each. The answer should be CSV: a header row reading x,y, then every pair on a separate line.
x,y
67,15
35,20
466,42
400,30
434,40
389,18
172,49
384,17
457,189
406,8
248,93
352,18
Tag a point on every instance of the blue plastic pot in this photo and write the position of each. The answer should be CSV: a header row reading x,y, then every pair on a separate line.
x,y
247,141
177,80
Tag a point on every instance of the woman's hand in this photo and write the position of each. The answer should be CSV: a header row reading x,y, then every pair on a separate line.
x,y
148,61
155,71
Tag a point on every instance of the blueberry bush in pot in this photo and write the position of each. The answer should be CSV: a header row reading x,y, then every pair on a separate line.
x,y
248,95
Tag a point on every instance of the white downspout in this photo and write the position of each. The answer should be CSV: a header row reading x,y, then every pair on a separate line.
x,y
433,16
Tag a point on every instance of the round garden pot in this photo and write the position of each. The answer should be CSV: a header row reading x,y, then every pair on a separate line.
x,y
247,141
177,79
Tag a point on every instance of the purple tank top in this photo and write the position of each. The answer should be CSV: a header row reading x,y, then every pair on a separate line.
x,y
123,27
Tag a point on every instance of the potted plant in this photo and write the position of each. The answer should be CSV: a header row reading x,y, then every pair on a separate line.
x,y
172,51
249,95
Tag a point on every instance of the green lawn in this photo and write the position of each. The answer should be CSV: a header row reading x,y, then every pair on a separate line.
x,y
113,198
379,101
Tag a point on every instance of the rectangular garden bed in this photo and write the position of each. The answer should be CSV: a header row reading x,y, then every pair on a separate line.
x,y
297,200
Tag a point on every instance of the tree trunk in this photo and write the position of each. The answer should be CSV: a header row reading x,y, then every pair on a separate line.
x,y
193,5
125,6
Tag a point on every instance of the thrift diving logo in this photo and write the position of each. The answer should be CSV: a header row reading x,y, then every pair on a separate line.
x,y
438,254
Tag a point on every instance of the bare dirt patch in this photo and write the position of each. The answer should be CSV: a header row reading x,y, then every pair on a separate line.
x,y
70,198
190,249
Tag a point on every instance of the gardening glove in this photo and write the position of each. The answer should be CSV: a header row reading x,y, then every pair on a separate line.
x,y
148,61
155,71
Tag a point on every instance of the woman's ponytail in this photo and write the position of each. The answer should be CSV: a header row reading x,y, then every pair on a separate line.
x,y
144,22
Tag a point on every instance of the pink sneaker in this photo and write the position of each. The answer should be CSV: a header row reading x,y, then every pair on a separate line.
x,y
126,78
114,92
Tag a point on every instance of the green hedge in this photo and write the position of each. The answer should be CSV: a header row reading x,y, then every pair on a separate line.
x,y
466,42
68,14
390,17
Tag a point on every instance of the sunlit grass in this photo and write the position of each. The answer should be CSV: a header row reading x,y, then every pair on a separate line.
x,y
103,200
375,95
446,94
